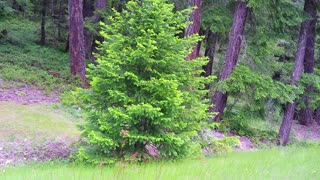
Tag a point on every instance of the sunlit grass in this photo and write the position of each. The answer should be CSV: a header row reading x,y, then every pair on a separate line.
x,y
35,121
283,163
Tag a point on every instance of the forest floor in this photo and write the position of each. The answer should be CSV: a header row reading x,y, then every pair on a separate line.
x,y
311,133
25,106
33,126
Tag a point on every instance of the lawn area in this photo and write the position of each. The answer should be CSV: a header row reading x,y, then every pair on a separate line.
x,y
34,121
283,163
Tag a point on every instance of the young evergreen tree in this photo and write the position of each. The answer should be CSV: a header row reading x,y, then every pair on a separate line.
x,y
143,91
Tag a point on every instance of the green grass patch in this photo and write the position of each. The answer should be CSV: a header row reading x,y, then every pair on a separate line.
x,y
23,60
282,163
35,121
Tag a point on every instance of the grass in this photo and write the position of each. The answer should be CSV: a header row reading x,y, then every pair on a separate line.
x,y
23,60
31,121
280,163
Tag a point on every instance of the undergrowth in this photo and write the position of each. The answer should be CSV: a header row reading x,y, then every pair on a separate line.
x,y
23,60
256,129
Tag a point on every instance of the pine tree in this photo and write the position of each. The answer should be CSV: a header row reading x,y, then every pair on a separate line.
x,y
76,40
297,71
306,113
235,39
194,26
143,91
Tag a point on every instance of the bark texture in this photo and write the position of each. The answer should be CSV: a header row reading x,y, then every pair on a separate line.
x,y
76,39
53,24
298,68
317,115
194,27
90,45
234,45
306,114
100,5
88,12
43,23
88,8
15,5
211,39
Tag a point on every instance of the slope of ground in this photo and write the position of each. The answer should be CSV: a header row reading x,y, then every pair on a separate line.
x,y
35,132
311,133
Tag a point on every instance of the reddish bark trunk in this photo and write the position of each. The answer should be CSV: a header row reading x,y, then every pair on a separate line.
x,y
53,24
235,39
88,11
60,20
76,39
210,51
306,114
317,116
211,39
15,5
90,45
285,127
88,8
195,18
43,23
100,5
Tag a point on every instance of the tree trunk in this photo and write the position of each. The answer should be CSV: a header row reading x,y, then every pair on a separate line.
x,y
195,19
285,127
43,23
235,39
60,20
88,11
211,39
53,24
310,7
16,7
88,8
317,116
100,5
76,40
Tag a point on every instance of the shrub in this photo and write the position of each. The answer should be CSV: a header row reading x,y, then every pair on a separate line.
x,y
143,91
243,126
220,146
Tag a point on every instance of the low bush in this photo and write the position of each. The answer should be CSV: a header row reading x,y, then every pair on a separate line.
x,y
243,126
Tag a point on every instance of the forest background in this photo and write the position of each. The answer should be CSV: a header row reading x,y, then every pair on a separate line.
x,y
254,67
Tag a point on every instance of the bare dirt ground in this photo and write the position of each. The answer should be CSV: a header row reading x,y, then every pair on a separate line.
x,y
17,151
32,95
27,95
246,143
311,133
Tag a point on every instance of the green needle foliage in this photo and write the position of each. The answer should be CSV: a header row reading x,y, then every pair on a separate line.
x,y
143,91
